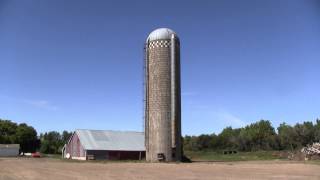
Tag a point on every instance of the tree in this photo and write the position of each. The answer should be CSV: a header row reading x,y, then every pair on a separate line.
x,y
26,136
12,133
258,136
191,143
317,131
305,133
65,136
52,142
227,139
7,131
287,136
203,142
213,143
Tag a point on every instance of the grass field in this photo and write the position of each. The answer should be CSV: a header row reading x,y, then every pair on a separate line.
x,y
208,156
240,156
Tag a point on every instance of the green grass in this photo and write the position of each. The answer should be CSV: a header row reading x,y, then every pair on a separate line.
x,y
204,156
240,156
58,157
315,162
55,156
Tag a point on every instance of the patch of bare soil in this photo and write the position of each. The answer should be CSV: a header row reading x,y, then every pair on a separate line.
x,y
52,169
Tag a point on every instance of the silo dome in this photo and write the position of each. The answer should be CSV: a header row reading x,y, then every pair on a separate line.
x,y
161,33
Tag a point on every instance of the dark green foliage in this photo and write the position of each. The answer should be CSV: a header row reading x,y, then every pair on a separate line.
x,y
7,131
190,143
256,136
52,142
228,138
26,136
203,142
317,131
287,136
304,133
12,133
65,136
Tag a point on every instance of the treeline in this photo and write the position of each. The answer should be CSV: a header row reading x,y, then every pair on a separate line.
x,y
256,136
13,133
50,142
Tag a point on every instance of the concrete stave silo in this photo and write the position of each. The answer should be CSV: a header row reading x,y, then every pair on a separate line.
x,y
162,96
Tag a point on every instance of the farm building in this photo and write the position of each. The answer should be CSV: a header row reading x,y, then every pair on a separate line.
x,y
9,150
105,144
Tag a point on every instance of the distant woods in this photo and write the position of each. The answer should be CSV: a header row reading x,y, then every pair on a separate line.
x,y
49,142
256,136
13,133
52,142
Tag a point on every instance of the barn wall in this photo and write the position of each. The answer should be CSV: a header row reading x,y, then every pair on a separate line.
x,y
126,155
9,152
74,147
116,155
98,154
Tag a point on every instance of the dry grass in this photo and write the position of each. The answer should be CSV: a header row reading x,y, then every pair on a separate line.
x,y
55,169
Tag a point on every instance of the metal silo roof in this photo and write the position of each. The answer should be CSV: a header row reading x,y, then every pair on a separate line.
x,y
111,140
161,33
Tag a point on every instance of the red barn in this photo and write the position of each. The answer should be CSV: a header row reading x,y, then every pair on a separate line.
x,y
105,144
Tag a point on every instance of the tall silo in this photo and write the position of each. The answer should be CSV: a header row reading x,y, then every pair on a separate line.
x,y
162,96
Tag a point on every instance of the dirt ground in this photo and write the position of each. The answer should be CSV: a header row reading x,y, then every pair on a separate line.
x,y
54,169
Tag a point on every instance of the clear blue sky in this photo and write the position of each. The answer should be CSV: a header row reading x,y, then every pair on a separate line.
x,y
78,64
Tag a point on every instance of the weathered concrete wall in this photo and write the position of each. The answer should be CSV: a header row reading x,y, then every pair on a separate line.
x,y
163,127
176,116
159,101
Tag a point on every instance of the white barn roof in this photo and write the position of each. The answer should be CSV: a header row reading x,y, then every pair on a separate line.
x,y
111,140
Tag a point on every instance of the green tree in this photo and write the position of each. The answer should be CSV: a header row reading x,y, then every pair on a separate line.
x,y
65,136
258,136
305,133
12,133
26,136
7,131
228,138
52,142
203,142
287,136
190,143
317,131
213,144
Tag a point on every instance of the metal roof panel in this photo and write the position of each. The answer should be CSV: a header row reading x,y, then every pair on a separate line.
x,y
111,140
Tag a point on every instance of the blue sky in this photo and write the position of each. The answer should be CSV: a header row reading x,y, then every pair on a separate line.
x,y
78,64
